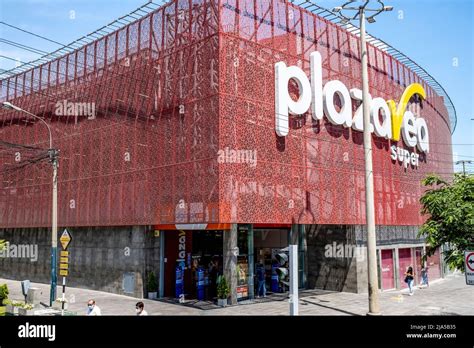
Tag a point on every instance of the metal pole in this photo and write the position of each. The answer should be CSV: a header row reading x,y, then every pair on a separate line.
x,y
369,179
251,261
54,230
293,279
162,264
63,296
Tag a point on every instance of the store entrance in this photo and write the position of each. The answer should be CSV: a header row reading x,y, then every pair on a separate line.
x,y
207,264
269,245
193,262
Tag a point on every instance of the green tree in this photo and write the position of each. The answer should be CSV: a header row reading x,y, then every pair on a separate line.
x,y
450,211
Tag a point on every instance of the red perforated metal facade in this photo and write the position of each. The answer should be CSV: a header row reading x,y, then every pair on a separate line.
x,y
184,82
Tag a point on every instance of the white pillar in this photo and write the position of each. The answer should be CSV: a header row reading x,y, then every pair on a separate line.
x,y
293,279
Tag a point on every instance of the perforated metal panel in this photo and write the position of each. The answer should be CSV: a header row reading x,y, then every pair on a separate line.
x,y
184,82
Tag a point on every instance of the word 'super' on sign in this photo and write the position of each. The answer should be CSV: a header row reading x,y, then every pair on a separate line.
x,y
388,119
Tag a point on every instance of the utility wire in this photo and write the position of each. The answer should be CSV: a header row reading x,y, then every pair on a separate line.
x,y
23,47
56,42
337,128
26,47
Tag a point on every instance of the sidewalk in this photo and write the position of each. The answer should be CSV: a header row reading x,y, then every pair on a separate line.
x,y
449,296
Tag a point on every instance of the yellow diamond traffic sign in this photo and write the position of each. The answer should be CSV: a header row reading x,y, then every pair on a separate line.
x,y
65,239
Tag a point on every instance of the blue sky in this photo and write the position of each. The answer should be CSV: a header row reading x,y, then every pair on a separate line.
x,y
437,34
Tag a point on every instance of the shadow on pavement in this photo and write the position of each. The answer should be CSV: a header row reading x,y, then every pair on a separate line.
x,y
271,297
329,307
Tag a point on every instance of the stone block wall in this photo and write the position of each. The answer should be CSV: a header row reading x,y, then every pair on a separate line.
x,y
99,257
326,269
338,270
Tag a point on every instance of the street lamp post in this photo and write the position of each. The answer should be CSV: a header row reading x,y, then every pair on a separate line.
x,y
53,156
372,274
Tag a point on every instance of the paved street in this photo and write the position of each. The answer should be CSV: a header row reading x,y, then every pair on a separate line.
x,y
448,296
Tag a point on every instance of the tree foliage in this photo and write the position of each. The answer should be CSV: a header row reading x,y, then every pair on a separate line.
x,y
450,211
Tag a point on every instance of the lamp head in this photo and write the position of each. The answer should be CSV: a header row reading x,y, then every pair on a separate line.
x,y
9,106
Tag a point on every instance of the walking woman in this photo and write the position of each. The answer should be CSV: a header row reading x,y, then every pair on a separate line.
x,y
409,278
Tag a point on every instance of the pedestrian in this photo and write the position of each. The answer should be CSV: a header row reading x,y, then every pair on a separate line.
x,y
409,278
92,308
261,289
424,277
140,308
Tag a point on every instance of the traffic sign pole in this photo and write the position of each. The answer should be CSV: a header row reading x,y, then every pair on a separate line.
x,y
52,293
64,296
469,267
64,264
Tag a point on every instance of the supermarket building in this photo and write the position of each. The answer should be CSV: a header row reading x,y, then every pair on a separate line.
x,y
202,148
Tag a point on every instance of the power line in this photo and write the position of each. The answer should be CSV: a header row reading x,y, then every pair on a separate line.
x,y
31,33
121,75
338,143
332,127
142,11
464,165
354,166
56,42
23,47
317,140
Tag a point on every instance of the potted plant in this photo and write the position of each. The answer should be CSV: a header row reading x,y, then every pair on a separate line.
x,y
12,306
26,309
152,286
223,291
10,309
58,304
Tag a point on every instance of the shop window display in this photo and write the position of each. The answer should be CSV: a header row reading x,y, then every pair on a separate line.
x,y
242,266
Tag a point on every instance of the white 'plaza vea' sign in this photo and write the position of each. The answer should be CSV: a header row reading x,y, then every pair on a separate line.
x,y
395,118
